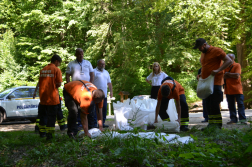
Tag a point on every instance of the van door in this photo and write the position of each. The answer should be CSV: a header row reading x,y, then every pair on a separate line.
x,y
19,104
33,110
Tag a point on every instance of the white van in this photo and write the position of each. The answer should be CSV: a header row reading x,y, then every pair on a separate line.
x,y
18,103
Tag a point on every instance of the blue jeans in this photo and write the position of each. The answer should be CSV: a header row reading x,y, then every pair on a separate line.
x,y
104,110
232,109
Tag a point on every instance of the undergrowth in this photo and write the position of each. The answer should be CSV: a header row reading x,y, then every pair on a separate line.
x,y
213,147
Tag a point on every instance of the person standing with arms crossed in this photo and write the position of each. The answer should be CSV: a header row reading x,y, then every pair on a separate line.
x,y
101,81
233,91
155,78
49,80
211,61
81,69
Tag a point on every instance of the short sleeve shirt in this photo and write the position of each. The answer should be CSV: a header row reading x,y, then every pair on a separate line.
x,y
80,94
101,80
79,71
157,78
48,92
178,90
233,86
212,60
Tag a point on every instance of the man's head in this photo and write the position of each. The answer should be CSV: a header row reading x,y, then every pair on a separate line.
x,y
101,64
232,56
79,54
56,60
98,95
201,44
165,90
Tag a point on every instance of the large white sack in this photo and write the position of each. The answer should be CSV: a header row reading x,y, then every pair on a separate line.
x,y
121,118
169,126
139,113
171,110
205,87
122,112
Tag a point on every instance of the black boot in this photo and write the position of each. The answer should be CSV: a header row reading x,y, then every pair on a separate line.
x,y
184,128
63,127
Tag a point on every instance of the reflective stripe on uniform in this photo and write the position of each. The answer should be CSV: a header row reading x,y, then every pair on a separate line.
x,y
184,121
37,122
42,128
61,122
215,119
50,129
168,119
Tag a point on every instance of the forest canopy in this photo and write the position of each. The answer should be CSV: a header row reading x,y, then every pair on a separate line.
x,y
128,34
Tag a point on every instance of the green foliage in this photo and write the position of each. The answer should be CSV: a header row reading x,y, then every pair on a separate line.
x,y
220,147
129,35
12,73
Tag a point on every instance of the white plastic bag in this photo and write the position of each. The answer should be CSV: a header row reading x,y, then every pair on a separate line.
x,y
169,126
205,87
122,112
95,132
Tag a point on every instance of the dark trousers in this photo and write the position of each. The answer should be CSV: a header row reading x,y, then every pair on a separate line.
x,y
104,111
73,111
92,120
232,109
184,110
154,92
47,116
205,114
213,106
60,117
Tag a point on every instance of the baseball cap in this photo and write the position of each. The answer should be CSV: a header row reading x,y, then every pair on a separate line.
x,y
199,42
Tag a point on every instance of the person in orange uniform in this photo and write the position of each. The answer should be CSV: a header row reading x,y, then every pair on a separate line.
x,y
84,95
171,89
211,61
233,91
49,80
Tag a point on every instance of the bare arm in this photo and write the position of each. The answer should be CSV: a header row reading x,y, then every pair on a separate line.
x,y
226,64
68,78
91,77
34,94
157,111
178,107
231,75
110,89
99,117
148,81
84,122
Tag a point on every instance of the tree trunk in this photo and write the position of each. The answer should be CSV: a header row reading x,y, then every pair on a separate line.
x,y
241,56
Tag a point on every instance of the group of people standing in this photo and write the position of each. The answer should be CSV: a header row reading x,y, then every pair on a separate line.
x,y
85,92
85,95
226,73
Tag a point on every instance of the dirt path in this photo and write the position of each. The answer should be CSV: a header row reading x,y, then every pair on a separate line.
x,y
195,121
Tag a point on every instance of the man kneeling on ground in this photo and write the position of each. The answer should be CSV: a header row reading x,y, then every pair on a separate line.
x,y
171,89
85,96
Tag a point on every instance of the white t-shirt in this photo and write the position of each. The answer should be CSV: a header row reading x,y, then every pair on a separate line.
x,y
157,78
101,79
79,71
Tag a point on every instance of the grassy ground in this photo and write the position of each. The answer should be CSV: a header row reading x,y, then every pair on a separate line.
x,y
210,148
